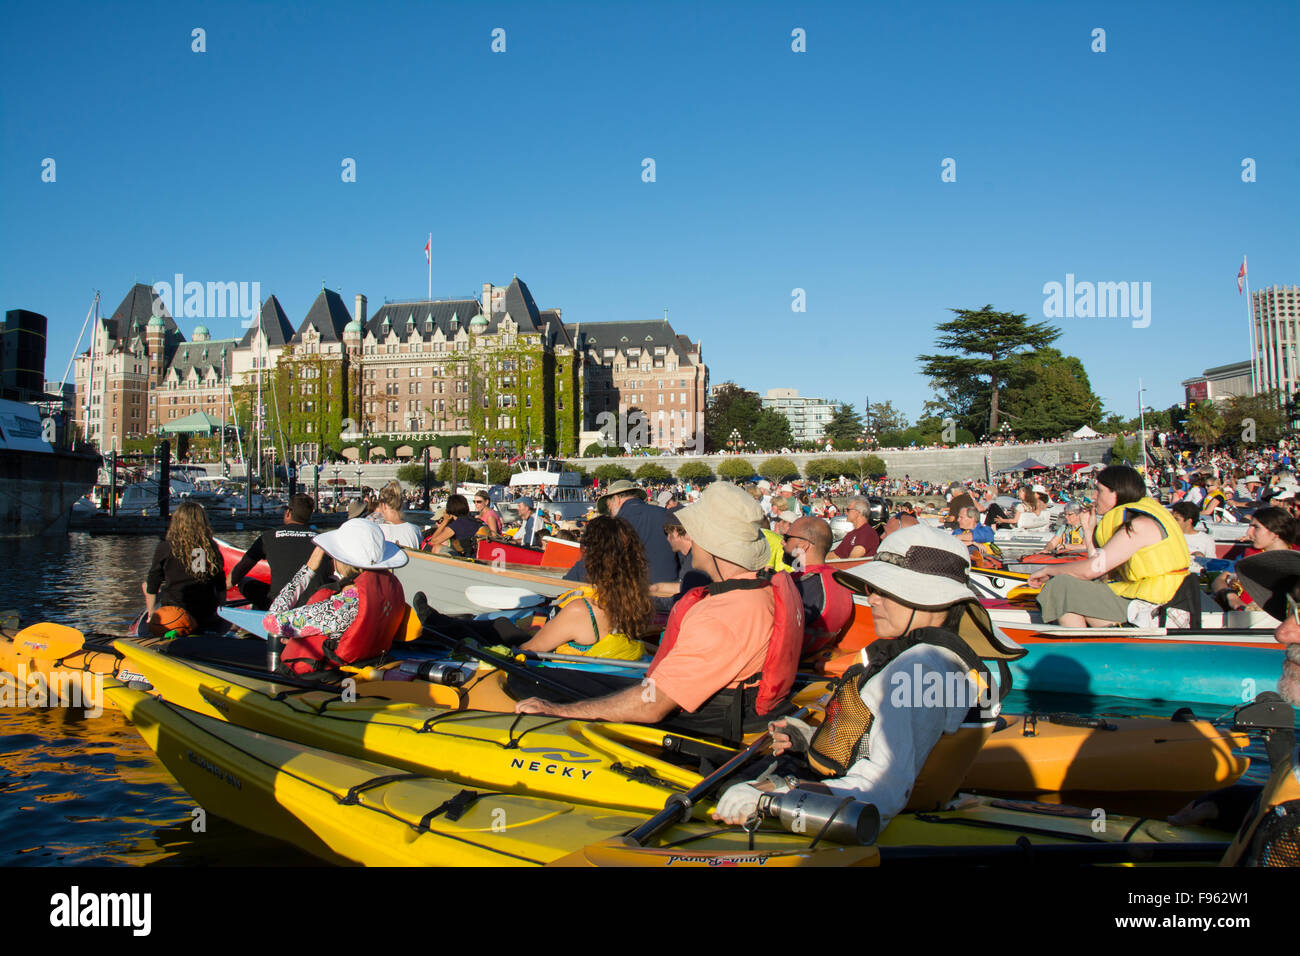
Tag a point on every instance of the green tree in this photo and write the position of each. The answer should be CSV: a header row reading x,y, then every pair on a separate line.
x,y
1126,449
412,473
885,417
597,450
652,471
458,471
1205,423
1047,394
694,471
611,472
1254,418
772,430
498,472
731,408
845,427
736,469
778,469
863,467
988,344
819,469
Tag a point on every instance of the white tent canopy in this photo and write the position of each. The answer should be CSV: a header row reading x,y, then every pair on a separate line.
x,y
1085,432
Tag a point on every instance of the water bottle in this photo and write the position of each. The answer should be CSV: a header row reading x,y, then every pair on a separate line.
x,y
446,673
852,822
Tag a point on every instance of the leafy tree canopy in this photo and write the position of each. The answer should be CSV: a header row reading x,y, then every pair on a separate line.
x,y
987,344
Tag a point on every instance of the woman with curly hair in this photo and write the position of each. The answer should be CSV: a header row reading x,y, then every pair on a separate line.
x,y
187,572
602,618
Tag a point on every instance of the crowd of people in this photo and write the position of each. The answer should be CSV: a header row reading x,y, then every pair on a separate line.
x,y
722,591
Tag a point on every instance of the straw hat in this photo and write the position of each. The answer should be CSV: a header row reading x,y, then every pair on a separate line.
x,y
725,522
360,543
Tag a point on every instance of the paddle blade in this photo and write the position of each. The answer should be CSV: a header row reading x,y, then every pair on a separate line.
x,y
48,641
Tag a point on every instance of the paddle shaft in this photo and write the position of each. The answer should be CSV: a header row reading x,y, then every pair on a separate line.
x,y
678,807
502,663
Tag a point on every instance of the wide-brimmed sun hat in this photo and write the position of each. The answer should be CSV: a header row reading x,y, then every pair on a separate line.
x,y
922,567
726,522
620,487
360,543
1270,577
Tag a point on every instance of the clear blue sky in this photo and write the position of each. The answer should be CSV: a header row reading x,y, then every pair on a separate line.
x,y
775,170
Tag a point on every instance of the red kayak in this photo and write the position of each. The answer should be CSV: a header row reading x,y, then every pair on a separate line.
x,y
232,556
555,553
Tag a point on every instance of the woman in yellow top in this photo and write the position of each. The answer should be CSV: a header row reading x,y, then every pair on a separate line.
x,y
599,620
1132,539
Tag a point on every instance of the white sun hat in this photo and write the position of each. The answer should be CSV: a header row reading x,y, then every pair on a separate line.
x,y
925,568
360,543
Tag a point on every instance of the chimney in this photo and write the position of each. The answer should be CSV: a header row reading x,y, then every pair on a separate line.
x,y
359,313
487,298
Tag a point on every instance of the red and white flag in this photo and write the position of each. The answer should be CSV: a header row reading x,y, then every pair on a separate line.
x,y
428,261
1241,275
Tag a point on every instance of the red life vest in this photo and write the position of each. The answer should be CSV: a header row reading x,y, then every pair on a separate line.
x,y
784,647
381,611
836,611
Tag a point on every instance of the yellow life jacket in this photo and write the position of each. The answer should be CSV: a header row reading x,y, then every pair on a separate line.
x,y
776,560
1154,572
1280,799
615,645
1072,537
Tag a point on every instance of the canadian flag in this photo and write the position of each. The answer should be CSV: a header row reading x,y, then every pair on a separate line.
x,y
427,261
1241,275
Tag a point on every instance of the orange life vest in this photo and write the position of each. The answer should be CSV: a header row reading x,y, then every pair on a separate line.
x,y
732,711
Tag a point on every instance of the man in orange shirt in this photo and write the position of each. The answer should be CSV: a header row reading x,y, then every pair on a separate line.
x,y
721,643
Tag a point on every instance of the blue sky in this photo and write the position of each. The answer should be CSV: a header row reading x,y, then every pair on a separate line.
x,y
775,170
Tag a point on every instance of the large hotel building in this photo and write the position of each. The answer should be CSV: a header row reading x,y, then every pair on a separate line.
x,y
491,373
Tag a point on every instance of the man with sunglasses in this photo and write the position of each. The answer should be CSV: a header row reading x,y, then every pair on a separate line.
x,y
862,541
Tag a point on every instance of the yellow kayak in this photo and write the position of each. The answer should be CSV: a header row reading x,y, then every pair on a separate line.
x,y
349,810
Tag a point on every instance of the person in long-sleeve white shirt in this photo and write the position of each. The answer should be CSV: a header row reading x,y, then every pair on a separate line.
x,y
914,687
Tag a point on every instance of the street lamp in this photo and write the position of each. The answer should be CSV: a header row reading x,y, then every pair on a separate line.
x,y
359,494
733,441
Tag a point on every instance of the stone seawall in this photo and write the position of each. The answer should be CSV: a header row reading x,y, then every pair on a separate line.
x,y
927,464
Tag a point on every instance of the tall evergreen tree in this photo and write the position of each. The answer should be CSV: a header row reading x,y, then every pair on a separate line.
x,y
845,426
731,408
988,344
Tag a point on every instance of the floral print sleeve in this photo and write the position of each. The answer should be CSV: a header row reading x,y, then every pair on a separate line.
x,y
332,616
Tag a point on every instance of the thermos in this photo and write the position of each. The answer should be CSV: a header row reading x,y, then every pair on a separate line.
x,y
446,673
851,822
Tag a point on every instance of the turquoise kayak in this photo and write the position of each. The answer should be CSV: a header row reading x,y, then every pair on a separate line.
x,y
1224,675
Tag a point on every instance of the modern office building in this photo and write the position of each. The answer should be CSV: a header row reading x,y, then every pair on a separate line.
x,y
1220,382
808,416
1275,314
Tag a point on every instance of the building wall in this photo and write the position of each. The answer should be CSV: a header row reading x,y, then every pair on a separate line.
x,y
808,417
1276,316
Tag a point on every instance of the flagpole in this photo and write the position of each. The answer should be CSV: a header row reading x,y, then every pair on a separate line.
x,y
1250,324
429,258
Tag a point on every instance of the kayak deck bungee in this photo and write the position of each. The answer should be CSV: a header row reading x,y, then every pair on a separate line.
x,y
345,809
1060,755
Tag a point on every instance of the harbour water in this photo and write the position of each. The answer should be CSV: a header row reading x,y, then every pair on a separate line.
x,y
78,790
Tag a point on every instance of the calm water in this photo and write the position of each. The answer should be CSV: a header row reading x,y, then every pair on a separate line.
x,y
87,791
